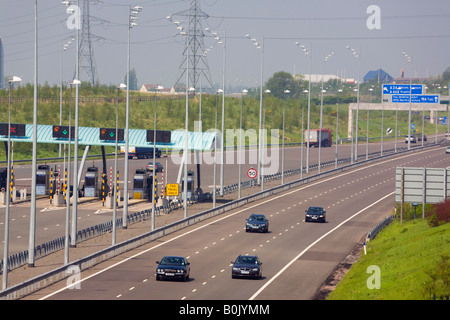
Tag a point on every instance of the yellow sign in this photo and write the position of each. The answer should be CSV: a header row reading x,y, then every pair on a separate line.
x,y
172,189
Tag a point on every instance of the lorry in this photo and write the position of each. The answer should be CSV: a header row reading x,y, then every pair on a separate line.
x,y
141,152
323,134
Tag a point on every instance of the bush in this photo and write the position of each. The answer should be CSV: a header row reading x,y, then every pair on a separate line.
x,y
439,214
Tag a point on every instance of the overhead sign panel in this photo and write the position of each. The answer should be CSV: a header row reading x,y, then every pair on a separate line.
x,y
109,134
62,132
404,98
17,130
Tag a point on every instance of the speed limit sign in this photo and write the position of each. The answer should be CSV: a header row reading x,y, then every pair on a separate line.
x,y
252,173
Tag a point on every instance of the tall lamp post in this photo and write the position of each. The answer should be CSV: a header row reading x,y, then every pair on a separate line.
x,y
319,137
114,227
264,142
282,150
154,161
132,17
67,231
409,59
240,145
259,46
309,55
356,55
8,190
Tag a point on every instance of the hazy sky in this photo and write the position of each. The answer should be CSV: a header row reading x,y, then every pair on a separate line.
x,y
421,28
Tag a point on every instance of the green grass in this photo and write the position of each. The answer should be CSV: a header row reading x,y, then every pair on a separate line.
x,y
404,253
171,115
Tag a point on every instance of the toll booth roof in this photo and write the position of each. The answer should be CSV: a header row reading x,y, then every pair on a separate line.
x,y
137,138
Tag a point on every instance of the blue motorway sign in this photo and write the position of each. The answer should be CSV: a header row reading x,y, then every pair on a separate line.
x,y
402,89
418,98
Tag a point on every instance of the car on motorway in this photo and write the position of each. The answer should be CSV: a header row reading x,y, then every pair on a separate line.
x,y
173,267
257,222
419,137
447,150
246,266
159,167
315,214
411,138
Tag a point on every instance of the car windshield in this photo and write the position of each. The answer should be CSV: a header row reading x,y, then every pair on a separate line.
x,y
247,260
174,261
315,209
256,217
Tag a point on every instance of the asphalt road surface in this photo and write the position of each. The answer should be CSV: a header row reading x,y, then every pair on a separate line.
x,y
297,256
51,220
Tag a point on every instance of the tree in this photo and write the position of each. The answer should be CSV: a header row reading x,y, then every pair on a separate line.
x,y
281,81
446,75
133,80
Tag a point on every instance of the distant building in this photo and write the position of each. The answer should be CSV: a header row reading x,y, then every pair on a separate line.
x,y
146,87
379,76
2,65
317,78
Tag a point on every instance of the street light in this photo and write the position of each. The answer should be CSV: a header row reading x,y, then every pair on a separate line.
x,y
67,228
240,145
307,53
264,142
321,109
133,12
120,87
282,150
367,127
259,46
8,189
215,151
409,59
158,87
356,55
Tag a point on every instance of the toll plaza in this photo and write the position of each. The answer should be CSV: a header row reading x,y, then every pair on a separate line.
x,y
90,136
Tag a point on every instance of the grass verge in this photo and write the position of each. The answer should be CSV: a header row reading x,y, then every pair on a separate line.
x,y
406,258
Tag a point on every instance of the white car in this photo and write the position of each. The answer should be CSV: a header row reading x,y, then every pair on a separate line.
x,y
411,138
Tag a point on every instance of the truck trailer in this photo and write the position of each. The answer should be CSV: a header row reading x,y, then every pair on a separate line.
x,y
315,134
141,152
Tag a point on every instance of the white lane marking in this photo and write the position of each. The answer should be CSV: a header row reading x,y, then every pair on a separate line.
x,y
312,244
220,219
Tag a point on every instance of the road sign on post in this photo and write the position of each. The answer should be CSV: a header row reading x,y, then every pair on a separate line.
x,y
252,173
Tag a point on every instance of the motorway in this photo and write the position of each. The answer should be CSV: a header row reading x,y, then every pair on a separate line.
x,y
297,256
51,220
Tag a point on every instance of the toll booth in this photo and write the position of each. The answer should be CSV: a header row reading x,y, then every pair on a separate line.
x,y
143,184
91,188
190,185
43,179
3,177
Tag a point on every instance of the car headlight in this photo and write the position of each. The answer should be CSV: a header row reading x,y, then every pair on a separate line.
x,y
235,269
255,269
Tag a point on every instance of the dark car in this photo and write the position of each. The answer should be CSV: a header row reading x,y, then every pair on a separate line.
x,y
315,214
173,267
246,266
159,166
257,222
419,137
